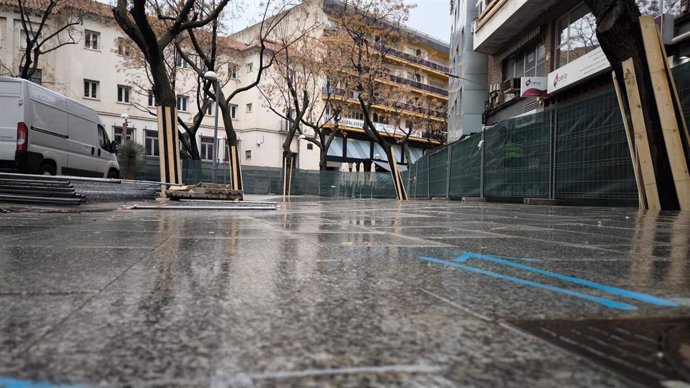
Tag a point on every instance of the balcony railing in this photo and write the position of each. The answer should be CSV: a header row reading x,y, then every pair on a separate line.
x,y
433,133
418,85
418,60
392,104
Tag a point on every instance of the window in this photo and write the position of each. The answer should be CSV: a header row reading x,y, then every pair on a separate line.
x,y
90,89
527,61
209,109
248,154
182,103
577,35
227,152
249,108
151,143
418,53
233,111
22,39
103,139
117,134
91,39
123,93
152,98
123,47
233,70
310,146
36,77
182,63
206,148
250,67
418,77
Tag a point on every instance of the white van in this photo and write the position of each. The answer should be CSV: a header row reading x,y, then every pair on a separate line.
x,y
43,132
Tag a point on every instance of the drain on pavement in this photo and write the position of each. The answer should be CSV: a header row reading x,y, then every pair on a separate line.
x,y
650,351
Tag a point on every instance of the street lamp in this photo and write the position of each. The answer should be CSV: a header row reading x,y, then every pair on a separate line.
x,y
213,77
123,133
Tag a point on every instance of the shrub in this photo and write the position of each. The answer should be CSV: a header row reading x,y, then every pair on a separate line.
x,y
130,156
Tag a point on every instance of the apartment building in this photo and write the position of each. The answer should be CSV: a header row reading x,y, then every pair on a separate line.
x,y
98,70
468,87
419,67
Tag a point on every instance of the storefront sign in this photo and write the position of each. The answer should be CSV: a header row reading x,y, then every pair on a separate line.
x,y
587,65
533,87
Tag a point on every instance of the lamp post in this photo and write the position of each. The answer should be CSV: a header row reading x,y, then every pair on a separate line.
x,y
299,149
213,77
123,133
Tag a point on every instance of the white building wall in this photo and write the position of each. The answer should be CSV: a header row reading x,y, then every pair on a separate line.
x,y
468,92
65,70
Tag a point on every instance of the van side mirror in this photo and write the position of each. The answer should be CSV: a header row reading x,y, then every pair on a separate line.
x,y
113,147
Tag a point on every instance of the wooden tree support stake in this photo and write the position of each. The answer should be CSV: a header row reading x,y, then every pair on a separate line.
x,y
170,168
642,197
235,169
666,107
642,150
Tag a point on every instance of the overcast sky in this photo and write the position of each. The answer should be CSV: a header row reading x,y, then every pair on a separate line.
x,y
430,17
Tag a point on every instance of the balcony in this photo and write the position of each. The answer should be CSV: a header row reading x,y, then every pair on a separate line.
x,y
420,61
503,20
391,105
436,134
418,85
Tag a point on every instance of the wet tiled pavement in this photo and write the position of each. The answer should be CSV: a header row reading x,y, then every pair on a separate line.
x,y
325,293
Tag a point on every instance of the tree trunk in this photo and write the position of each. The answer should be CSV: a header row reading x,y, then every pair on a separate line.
x,y
620,36
288,167
189,144
398,182
231,139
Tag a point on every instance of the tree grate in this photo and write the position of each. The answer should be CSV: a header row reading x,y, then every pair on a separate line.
x,y
649,351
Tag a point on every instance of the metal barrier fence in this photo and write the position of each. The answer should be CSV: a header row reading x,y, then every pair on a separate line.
x,y
266,180
575,152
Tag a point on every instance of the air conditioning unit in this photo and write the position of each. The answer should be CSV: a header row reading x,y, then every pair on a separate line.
x,y
511,85
495,88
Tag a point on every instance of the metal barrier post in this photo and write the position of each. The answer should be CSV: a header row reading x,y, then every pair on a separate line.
x,y
450,153
481,165
552,154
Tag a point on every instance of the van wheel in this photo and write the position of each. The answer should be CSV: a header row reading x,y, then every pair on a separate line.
x,y
47,169
113,174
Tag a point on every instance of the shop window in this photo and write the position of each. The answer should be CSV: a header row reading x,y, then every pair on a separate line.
x,y
577,35
528,61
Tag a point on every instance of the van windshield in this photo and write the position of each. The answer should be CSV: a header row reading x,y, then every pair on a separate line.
x,y
103,139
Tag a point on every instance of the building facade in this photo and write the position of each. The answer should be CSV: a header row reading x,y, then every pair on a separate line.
x,y
418,67
552,42
468,78
97,70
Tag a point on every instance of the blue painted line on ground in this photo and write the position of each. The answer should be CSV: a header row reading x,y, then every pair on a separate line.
x,y
611,290
15,383
530,260
601,301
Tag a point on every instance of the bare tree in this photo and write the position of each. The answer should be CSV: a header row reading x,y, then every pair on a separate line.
x,y
367,30
47,26
217,53
300,93
137,19
139,75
